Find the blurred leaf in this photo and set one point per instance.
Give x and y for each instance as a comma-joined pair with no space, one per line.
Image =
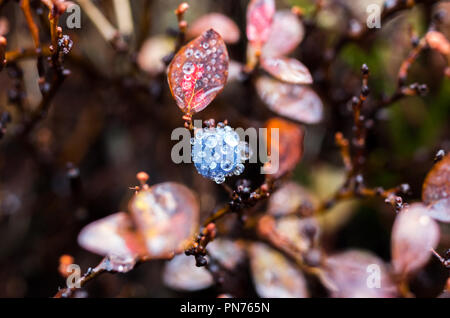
181,274
273,275
291,198
350,272
154,49
437,183
296,102
440,210
220,23
259,20
288,150
296,230
286,34
413,235
112,236
287,70
326,180
228,253
166,215
198,72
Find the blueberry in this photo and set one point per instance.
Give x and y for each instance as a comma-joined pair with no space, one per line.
218,152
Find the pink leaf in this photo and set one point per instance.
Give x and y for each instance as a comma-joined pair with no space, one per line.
287,70
414,234
286,34
222,24
112,236
259,20
292,101
350,273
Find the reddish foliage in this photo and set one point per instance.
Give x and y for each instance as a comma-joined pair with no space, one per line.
198,72
289,149
259,20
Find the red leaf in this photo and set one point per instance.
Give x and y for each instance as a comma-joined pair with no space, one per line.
222,24
437,183
292,101
350,272
285,35
273,275
287,70
167,216
413,235
198,72
288,150
259,20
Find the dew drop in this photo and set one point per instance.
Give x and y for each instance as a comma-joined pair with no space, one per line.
226,165
188,68
197,54
231,139
211,141
239,169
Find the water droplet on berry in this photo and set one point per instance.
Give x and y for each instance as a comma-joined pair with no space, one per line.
211,141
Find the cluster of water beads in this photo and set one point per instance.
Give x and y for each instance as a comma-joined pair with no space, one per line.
217,152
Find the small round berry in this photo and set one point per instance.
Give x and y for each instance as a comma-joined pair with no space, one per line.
217,152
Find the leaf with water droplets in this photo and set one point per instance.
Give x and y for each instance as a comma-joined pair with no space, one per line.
296,102
222,24
198,72
181,274
437,182
259,21
286,34
286,152
351,274
112,236
167,216
287,70
414,234
273,275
